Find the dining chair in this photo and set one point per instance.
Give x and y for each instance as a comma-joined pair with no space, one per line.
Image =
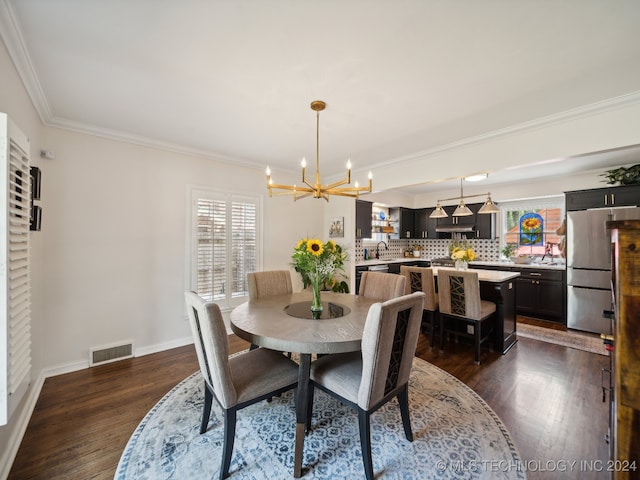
381,286
460,303
268,283
368,379
273,282
235,382
420,279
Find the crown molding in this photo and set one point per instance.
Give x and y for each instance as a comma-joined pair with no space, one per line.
614,103
13,39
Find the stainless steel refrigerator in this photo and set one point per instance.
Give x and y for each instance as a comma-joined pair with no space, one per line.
589,266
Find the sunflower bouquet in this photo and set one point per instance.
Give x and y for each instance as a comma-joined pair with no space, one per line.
319,265
461,250
463,254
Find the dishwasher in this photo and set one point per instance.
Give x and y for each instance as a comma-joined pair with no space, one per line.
379,268
373,268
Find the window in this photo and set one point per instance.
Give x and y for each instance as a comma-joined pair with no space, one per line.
15,283
224,245
531,225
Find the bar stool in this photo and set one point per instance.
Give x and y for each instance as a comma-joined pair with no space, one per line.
420,279
459,299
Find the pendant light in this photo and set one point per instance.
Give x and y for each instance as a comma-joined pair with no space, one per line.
462,210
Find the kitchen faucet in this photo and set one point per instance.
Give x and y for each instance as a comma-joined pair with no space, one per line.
386,247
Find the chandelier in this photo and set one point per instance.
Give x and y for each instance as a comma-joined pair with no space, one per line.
317,190
462,210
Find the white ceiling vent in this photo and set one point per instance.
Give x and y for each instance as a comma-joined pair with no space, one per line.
110,353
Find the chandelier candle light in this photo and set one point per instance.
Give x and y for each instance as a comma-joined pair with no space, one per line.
317,190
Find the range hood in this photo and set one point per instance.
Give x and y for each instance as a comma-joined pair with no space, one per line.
455,228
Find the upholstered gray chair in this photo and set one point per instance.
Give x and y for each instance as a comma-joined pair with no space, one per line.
381,286
460,303
420,279
268,283
368,379
235,382
264,284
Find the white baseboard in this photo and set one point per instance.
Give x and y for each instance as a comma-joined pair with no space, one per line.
9,455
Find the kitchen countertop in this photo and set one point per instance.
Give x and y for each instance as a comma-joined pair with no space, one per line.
509,264
380,261
478,263
492,276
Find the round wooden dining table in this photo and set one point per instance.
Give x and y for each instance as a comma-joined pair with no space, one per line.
286,323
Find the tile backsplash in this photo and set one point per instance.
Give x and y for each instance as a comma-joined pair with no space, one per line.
487,250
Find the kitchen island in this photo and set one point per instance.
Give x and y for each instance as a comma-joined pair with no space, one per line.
495,285
499,287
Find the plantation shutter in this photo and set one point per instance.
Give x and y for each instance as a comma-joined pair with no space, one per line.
15,295
226,236
243,224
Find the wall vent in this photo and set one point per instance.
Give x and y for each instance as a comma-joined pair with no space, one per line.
110,353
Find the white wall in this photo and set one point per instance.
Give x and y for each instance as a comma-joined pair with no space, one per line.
116,228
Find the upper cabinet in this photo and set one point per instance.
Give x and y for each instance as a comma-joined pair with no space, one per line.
403,222
363,218
423,225
622,196
485,223
409,223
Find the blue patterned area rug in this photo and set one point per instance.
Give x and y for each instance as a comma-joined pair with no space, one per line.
456,435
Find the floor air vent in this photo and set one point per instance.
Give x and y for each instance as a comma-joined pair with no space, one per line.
112,353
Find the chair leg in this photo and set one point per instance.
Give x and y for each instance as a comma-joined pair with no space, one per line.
403,401
442,334
432,328
229,437
477,335
206,411
365,442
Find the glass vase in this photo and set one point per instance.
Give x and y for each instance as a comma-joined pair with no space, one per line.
461,265
316,303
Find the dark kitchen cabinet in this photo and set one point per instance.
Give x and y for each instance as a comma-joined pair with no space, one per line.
423,226
541,294
451,221
404,218
364,210
407,220
622,196
485,223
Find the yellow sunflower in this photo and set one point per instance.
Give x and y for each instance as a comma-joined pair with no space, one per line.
314,246
301,243
531,224
332,245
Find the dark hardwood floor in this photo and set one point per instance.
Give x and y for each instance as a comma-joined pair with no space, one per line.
548,396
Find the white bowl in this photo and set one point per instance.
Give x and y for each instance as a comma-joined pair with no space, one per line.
522,260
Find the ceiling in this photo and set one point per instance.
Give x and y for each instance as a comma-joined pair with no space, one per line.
234,80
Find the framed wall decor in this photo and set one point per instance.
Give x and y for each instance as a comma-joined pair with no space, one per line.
336,227
36,180
35,223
